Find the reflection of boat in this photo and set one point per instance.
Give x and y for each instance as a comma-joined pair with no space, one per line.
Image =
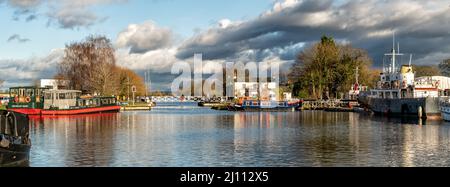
41,101
14,139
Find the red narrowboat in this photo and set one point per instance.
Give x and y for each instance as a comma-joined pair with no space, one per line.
35,101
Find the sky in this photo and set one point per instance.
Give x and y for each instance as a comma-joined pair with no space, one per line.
154,34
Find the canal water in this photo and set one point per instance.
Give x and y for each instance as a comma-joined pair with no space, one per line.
189,136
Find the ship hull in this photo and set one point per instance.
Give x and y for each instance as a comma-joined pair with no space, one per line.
445,113
15,144
39,112
429,106
15,155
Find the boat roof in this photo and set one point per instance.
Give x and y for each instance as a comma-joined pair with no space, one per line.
27,87
62,91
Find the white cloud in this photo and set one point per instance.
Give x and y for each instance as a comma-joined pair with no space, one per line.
23,72
141,38
160,60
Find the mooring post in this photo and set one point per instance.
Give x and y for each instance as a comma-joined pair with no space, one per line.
420,112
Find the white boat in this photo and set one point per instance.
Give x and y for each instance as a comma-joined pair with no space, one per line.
399,93
445,110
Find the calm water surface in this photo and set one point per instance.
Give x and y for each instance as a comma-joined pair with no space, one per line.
199,137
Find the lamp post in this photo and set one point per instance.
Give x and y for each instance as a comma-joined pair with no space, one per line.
133,89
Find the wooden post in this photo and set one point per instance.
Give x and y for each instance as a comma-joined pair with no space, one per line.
420,112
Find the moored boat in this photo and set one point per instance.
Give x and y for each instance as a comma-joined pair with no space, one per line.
15,144
399,93
45,102
445,110
261,105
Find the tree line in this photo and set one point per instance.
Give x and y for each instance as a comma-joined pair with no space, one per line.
326,69
90,66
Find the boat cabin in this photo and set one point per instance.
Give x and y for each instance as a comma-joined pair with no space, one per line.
72,99
265,104
60,99
402,84
26,97
44,98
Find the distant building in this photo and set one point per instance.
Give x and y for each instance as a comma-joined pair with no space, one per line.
54,84
252,90
287,96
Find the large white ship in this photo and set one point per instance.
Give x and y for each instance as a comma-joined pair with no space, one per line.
399,93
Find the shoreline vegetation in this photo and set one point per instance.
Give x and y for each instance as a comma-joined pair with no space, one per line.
327,70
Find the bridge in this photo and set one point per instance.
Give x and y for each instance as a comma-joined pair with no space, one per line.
169,99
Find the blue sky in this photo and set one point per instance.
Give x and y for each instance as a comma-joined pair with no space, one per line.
184,17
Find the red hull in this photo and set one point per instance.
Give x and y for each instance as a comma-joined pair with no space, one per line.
40,112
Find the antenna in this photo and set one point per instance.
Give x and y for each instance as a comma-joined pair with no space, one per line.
393,52
410,59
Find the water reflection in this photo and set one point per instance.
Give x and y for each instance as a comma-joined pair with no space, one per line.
192,136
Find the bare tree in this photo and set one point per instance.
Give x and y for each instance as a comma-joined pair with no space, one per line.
89,66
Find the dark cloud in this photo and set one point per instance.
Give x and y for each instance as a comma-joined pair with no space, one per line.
18,38
24,4
422,27
72,18
66,14
31,18
24,8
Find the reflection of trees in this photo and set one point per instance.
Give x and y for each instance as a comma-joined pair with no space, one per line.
265,139
332,138
76,141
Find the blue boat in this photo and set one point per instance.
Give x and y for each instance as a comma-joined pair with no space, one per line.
259,105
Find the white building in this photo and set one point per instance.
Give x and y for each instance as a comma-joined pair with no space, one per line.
54,84
287,96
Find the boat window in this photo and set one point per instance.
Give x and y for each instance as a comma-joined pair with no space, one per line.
30,92
48,96
21,92
13,92
388,94
62,96
395,95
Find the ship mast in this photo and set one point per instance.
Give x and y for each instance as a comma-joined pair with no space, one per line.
394,54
